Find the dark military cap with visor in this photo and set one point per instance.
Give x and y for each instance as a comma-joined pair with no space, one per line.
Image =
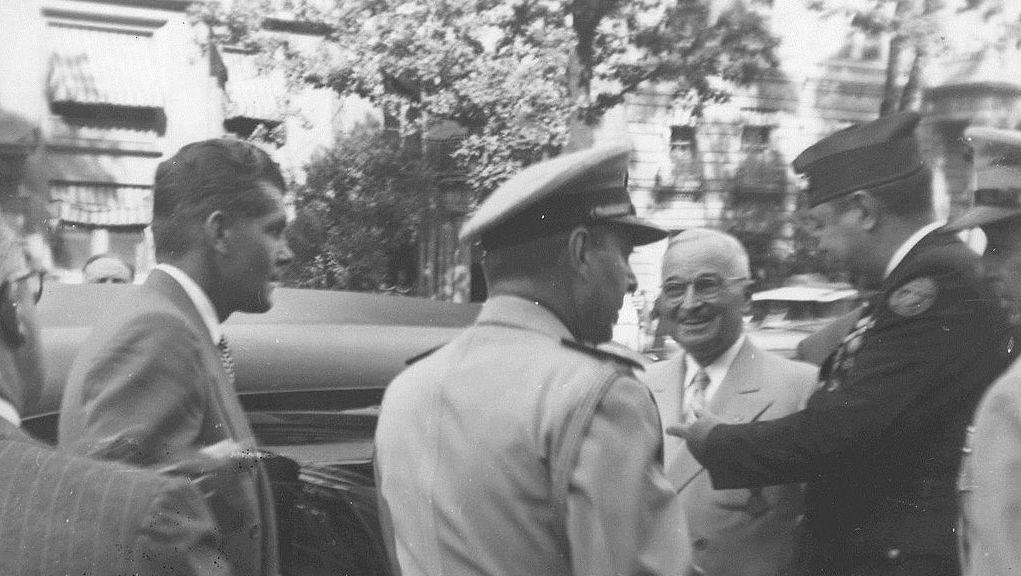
861,157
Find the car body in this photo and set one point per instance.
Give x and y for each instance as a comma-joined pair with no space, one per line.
310,374
784,316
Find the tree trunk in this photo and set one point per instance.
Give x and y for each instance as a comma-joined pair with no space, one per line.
893,63
911,95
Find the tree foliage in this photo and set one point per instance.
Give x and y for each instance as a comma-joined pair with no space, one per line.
358,215
918,33
517,73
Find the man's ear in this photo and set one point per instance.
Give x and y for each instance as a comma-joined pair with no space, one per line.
746,308
216,231
578,244
869,207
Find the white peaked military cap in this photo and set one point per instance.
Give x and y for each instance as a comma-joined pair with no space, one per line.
587,187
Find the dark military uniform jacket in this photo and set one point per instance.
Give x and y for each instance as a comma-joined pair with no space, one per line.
879,442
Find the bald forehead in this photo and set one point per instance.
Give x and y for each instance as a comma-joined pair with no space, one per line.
702,251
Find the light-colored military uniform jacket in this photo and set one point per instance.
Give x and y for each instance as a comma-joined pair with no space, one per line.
483,468
737,532
990,482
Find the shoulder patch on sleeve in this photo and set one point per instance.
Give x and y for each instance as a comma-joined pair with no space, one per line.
914,297
621,356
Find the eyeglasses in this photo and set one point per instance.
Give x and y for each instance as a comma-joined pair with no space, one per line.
33,283
706,287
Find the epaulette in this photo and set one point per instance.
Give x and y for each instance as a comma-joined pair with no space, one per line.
605,352
422,355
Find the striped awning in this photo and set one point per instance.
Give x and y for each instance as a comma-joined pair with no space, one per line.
251,92
100,67
102,204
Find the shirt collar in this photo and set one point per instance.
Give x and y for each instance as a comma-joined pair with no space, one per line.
521,313
717,370
198,297
908,244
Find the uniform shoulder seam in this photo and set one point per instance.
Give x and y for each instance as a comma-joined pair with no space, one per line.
602,354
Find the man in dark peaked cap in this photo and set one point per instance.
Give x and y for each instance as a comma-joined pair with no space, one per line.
878,444
521,448
990,496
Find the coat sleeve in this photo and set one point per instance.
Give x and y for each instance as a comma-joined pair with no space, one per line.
991,493
176,536
622,515
141,395
907,365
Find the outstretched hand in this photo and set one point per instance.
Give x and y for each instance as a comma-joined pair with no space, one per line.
704,420
695,431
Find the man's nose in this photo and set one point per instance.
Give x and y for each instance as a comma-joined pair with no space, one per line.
689,300
285,256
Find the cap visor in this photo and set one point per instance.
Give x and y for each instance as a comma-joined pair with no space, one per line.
640,231
981,216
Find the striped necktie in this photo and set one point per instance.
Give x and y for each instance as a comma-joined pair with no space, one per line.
226,358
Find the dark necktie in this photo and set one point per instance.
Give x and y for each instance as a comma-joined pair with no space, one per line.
225,358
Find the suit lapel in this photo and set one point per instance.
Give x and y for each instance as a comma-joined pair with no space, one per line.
223,392
736,400
684,467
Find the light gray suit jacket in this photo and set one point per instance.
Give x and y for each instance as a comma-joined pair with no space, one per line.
736,532
990,482
148,388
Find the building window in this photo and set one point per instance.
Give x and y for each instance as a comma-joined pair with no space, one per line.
682,143
683,170
755,137
861,47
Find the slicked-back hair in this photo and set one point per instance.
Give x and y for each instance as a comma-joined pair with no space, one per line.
204,177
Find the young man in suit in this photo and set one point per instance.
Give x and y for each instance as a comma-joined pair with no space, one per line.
65,514
878,444
519,448
154,384
990,496
704,296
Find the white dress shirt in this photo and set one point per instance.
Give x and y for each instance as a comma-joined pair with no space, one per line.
908,244
198,297
716,371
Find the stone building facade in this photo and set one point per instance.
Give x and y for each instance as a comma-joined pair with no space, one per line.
109,88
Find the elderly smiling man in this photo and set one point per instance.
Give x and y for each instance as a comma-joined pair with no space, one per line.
705,293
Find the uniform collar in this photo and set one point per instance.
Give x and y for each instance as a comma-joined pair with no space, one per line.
198,297
911,242
524,314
